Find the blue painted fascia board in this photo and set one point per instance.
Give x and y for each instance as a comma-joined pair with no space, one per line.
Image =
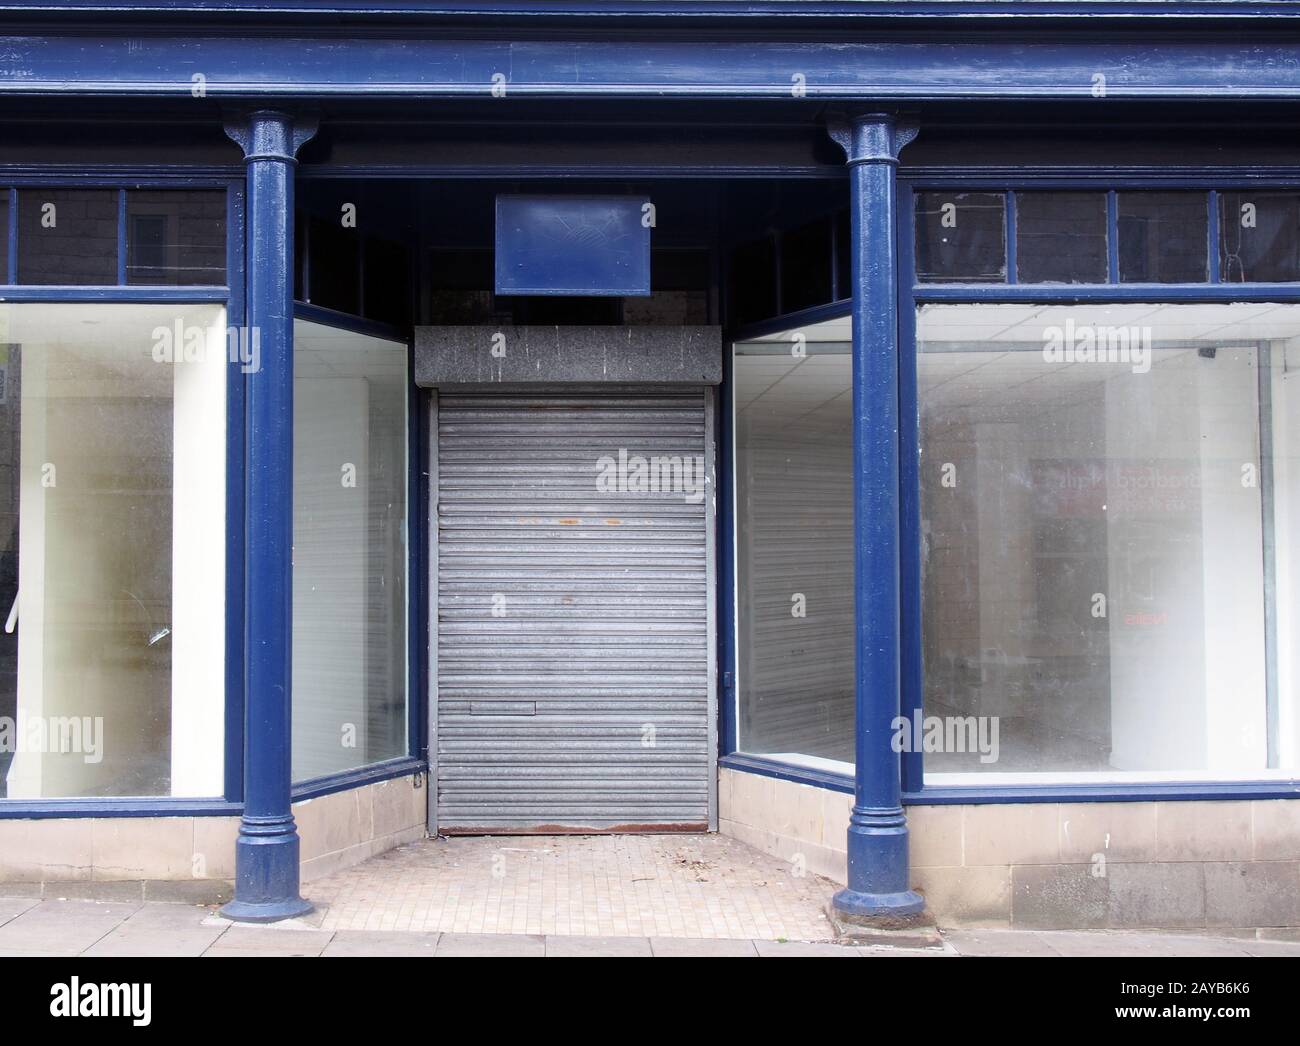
251,65
746,12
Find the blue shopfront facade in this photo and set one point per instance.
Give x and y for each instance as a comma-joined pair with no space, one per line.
997,430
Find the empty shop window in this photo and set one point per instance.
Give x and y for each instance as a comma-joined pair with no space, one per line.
112,570
1109,501
350,550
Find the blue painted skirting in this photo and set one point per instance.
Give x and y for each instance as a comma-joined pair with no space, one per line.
167,806
365,775
162,806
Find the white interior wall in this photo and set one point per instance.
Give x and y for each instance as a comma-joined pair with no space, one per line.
1186,592
1232,561
199,568
1155,597
1286,475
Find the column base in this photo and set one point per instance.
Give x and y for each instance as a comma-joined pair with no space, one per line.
883,910
267,912
266,872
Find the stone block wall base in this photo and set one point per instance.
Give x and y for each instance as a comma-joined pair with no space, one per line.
1169,864
176,891
180,858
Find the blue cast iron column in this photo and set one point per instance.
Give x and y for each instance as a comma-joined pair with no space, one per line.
878,890
266,852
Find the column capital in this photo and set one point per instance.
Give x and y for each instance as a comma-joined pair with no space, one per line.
270,133
870,136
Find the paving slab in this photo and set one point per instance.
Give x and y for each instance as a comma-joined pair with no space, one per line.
356,943
1142,944
12,907
475,945
246,941
803,950
884,951
687,947
1271,949
160,929
62,927
561,947
1000,942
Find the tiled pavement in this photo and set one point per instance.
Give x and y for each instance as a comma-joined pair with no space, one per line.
30,927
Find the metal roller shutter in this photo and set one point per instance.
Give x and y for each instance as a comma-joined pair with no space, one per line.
574,660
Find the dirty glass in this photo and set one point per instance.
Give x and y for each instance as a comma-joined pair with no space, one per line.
112,571
1162,237
176,237
1259,237
350,551
1109,497
1061,237
961,237
794,544
67,236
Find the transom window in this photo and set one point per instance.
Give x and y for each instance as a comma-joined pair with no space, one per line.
72,237
1097,236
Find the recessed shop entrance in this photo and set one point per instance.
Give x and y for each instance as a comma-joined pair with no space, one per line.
569,681
574,610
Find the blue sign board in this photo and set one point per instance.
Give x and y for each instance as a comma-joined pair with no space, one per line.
573,245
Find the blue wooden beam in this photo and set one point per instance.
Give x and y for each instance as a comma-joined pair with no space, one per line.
878,888
315,64
657,11
266,851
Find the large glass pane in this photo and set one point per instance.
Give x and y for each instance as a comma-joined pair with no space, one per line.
350,553
1109,502
794,544
67,236
112,575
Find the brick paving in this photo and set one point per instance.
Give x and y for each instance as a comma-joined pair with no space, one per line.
690,886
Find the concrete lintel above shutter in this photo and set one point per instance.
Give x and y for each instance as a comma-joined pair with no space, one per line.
501,357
